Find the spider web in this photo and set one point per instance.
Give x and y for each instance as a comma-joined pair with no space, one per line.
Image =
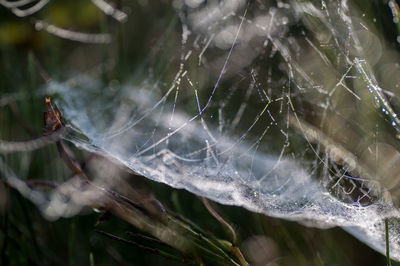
284,108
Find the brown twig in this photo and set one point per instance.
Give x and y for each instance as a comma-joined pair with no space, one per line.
234,248
218,217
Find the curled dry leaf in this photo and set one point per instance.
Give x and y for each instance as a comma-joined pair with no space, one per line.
53,120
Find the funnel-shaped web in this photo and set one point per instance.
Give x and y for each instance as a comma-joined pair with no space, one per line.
287,109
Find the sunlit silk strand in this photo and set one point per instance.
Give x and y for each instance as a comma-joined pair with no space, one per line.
377,92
